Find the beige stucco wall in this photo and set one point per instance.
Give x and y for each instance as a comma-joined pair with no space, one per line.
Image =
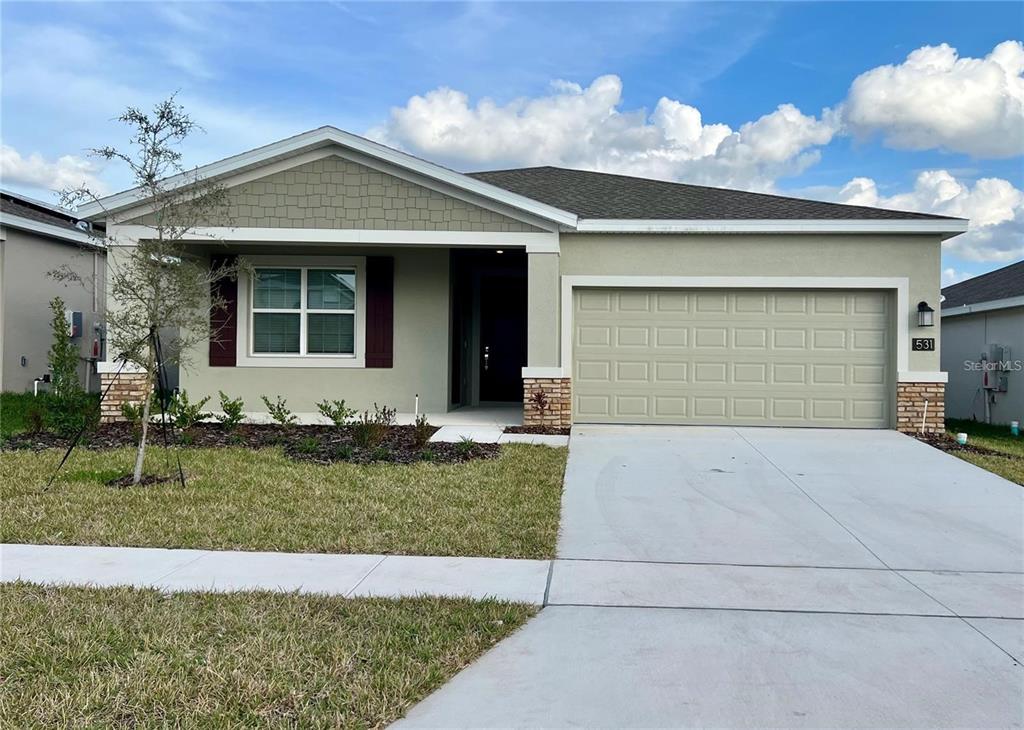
542,307
338,193
421,350
966,337
26,290
914,257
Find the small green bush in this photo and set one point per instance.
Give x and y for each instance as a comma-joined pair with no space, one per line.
428,455
344,452
372,428
308,445
35,416
422,431
336,411
185,414
279,411
465,446
381,453
231,409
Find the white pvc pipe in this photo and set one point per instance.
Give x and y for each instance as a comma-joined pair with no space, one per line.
924,416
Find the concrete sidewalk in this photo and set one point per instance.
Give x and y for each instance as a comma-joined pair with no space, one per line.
390,576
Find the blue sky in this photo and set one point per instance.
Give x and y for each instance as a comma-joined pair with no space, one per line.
254,72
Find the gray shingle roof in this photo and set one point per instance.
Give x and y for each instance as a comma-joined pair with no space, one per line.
603,195
1003,283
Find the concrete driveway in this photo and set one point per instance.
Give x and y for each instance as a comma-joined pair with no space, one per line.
765,577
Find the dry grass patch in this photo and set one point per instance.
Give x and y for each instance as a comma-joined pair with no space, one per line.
238,499
125,657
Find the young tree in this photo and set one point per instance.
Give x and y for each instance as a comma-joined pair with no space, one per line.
63,356
159,283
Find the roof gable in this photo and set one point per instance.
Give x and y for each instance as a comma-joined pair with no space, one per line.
338,193
414,168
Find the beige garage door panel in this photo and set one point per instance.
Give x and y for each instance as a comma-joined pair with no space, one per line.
799,358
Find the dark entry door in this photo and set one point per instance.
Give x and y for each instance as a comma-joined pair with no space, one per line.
502,337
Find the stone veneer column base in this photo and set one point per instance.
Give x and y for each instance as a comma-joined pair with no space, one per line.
557,413
127,388
910,400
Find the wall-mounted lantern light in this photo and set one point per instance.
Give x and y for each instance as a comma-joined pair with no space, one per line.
925,315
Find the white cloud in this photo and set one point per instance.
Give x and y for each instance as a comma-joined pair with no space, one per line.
952,276
35,171
937,100
573,126
994,206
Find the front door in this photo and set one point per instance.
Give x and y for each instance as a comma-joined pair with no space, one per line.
502,337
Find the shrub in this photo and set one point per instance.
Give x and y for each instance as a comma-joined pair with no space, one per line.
336,411
35,416
308,445
372,428
422,431
232,411
132,412
279,411
428,455
539,401
344,452
381,453
185,414
465,447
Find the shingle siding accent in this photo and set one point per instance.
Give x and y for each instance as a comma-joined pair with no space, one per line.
341,194
910,407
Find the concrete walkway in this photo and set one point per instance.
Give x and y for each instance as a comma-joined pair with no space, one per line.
390,576
719,577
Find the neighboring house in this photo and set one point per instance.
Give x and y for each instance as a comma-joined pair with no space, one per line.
983,318
36,239
380,277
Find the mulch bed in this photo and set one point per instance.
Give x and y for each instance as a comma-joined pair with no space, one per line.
321,444
539,430
124,482
945,442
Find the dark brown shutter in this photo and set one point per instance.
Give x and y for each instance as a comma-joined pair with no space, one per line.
223,322
380,311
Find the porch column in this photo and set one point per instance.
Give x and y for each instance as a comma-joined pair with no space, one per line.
547,396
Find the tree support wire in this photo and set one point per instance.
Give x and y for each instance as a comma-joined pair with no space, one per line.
162,393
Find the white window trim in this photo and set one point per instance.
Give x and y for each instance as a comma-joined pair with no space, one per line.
900,285
244,357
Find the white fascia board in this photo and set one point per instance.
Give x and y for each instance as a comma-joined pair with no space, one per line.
331,135
80,238
922,376
627,225
983,307
533,242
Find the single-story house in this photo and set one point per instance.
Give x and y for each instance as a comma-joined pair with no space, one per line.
35,239
587,297
983,346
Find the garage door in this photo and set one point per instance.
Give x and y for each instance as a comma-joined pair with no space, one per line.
742,357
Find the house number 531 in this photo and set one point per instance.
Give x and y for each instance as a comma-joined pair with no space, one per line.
924,343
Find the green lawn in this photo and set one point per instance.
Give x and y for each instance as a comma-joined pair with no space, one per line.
1008,463
14,408
238,499
124,657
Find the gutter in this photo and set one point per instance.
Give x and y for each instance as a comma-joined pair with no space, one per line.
947,227
75,236
989,306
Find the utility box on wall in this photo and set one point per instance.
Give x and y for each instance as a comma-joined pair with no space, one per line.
74,320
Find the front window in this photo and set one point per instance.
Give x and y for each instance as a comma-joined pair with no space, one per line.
303,311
